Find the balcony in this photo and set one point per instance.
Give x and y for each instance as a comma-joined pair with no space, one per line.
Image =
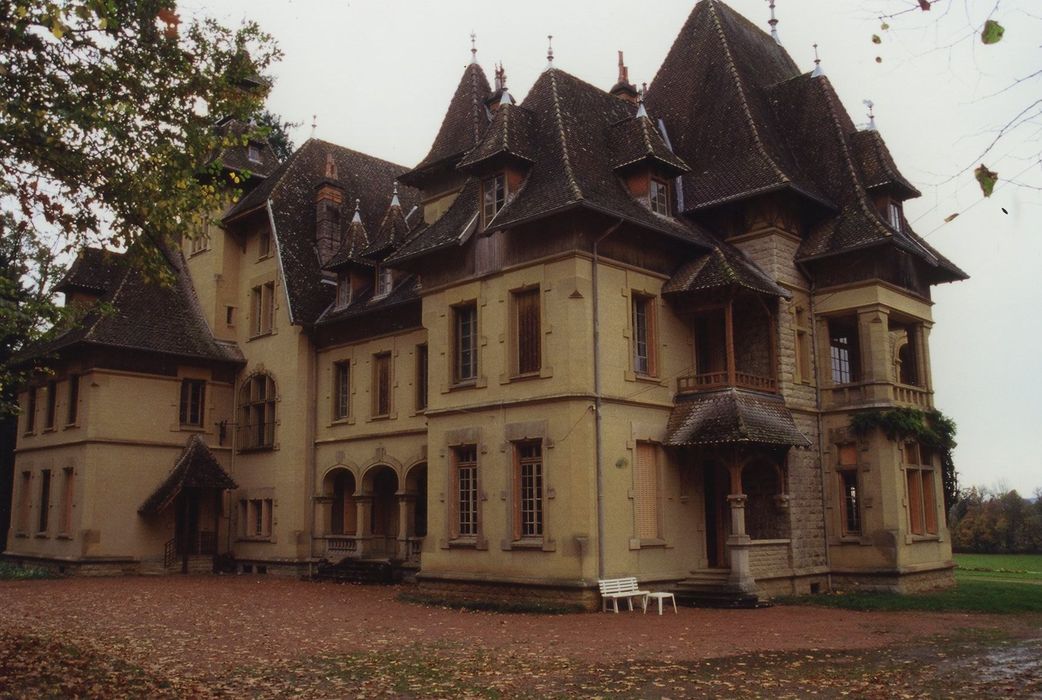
711,381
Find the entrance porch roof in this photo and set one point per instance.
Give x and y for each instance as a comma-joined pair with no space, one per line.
732,416
195,468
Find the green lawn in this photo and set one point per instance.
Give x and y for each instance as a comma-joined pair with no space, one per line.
1002,584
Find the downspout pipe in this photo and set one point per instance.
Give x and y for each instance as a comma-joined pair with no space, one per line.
597,399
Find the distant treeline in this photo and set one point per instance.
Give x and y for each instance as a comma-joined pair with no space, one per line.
992,522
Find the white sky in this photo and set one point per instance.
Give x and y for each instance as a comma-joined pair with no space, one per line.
379,74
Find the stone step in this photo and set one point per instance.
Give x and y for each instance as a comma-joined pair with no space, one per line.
380,571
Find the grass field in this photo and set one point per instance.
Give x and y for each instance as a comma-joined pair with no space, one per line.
987,583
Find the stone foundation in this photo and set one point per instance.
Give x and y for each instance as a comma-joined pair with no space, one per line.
895,581
507,594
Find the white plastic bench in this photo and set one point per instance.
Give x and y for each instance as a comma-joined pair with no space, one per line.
614,588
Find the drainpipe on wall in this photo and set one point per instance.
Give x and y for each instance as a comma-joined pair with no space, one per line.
597,399
821,432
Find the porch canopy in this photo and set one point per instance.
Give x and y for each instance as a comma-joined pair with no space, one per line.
195,468
732,416
722,268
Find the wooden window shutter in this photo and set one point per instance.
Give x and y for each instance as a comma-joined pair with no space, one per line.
528,333
646,492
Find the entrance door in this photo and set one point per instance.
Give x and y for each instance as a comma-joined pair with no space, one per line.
715,490
384,515
186,526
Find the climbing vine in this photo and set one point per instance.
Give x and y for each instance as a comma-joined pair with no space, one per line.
932,429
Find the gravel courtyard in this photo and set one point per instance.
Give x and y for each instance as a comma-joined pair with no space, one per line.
260,636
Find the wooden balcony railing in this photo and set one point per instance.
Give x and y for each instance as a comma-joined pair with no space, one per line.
710,381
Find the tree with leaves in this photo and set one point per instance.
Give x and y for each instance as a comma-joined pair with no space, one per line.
107,110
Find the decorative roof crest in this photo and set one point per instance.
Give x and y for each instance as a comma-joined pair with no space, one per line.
774,24
818,70
871,114
550,52
357,218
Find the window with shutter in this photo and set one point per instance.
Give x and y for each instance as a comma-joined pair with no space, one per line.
646,492
527,331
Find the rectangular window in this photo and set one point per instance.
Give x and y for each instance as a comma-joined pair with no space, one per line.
384,282
466,459
850,501
24,498
263,308
894,216
72,410
465,343
193,402
229,315
52,404
30,410
65,523
201,241
644,335
382,384
493,197
45,500
843,352
646,492
527,331
253,152
258,516
264,244
658,192
343,291
528,490
341,390
922,496
421,377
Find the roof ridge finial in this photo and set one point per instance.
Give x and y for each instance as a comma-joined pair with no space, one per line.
357,218
550,52
395,202
641,111
871,114
505,98
818,70
314,124
473,47
774,25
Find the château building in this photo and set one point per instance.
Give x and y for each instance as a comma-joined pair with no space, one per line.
591,334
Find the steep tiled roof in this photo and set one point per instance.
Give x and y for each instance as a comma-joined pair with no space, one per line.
637,140
724,266
732,416
94,269
454,227
393,231
461,129
407,290
237,157
509,134
878,168
195,468
709,93
356,240
147,315
291,191
573,158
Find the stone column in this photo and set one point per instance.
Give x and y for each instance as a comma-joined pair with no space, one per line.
876,356
739,543
406,502
363,523
323,515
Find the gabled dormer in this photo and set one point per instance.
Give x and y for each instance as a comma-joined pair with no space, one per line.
354,273
503,157
645,162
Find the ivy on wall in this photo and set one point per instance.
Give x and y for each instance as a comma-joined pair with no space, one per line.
931,429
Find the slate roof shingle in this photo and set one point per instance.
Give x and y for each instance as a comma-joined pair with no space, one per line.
636,140
732,416
291,191
195,468
724,266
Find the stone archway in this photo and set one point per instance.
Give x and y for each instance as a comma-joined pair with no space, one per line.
380,491
414,505
343,518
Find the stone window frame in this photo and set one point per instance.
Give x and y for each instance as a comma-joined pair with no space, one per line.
920,485
454,439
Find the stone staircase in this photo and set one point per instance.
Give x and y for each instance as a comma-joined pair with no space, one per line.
197,564
710,589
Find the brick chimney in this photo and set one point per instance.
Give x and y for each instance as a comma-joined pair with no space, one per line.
329,198
624,89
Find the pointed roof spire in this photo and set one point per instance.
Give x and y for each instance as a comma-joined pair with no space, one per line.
818,70
501,78
473,47
774,25
395,202
357,218
641,111
871,114
550,52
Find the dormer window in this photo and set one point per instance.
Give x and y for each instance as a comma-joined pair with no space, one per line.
343,291
493,197
658,193
253,152
894,216
383,282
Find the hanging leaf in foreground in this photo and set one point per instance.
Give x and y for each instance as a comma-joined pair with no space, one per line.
986,178
992,32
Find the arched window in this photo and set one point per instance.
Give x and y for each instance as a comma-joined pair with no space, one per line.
257,412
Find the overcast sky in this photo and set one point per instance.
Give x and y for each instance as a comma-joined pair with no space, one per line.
379,74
